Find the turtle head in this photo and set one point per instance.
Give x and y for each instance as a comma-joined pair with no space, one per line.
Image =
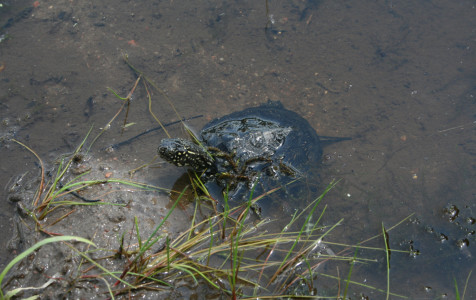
182,153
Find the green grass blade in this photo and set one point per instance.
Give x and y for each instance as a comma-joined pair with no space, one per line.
456,289
187,268
108,287
139,240
466,284
38,245
115,94
101,267
148,243
350,273
210,222
329,187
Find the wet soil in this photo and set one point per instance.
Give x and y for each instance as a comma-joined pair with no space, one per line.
398,77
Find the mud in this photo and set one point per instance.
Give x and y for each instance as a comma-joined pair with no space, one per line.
396,76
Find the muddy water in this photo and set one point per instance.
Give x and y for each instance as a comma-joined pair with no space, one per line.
398,76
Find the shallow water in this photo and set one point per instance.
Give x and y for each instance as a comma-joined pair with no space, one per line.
398,77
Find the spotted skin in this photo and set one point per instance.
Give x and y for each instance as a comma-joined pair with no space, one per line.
181,152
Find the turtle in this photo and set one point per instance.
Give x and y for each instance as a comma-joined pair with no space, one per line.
267,145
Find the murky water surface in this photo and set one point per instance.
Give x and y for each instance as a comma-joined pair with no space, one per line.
397,76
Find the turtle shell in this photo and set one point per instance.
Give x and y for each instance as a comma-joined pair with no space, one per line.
264,147
264,135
